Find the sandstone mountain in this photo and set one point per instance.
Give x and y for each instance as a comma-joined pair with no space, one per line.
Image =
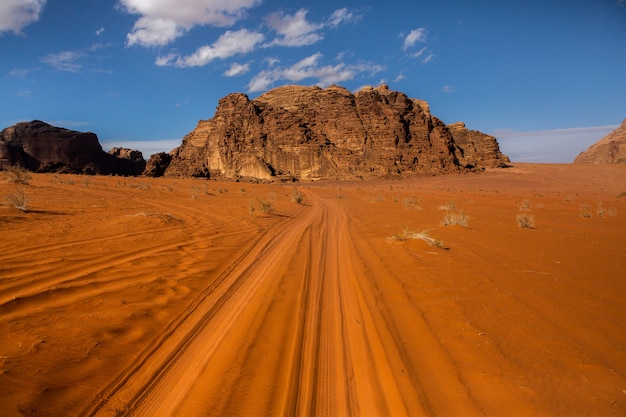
40,147
297,132
609,150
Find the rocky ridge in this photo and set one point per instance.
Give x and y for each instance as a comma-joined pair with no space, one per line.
40,147
611,149
297,132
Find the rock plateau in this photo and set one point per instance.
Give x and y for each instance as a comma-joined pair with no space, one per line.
40,147
310,133
611,149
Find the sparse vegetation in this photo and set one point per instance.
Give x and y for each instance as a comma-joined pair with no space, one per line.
195,192
18,200
450,205
266,206
18,175
524,204
410,203
297,196
251,208
585,211
455,218
525,221
424,235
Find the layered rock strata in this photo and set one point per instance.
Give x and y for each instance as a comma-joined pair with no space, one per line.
297,132
611,149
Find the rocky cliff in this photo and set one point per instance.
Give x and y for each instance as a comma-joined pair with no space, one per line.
609,150
40,147
296,132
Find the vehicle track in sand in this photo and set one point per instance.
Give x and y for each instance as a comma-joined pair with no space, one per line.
286,330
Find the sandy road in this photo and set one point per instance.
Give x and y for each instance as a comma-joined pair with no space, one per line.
286,330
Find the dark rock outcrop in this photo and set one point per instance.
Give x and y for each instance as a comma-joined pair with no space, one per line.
40,147
157,164
611,149
297,132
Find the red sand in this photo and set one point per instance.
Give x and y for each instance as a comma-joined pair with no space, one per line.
158,297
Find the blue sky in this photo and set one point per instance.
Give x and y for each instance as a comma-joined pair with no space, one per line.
546,77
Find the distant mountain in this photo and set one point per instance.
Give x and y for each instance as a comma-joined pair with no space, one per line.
297,132
40,147
611,149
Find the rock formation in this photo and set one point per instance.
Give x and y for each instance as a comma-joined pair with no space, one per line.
40,147
157,164
611,149
296,132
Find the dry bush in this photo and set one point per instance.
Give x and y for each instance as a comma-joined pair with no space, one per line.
18,199
585,211
455,218
18,175
297,196
524,204
195,192
525,221
424,235
266,206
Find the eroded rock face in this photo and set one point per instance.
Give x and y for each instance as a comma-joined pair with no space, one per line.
157,164
40,147
611,149
313,133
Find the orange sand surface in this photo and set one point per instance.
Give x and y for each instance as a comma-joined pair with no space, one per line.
182,297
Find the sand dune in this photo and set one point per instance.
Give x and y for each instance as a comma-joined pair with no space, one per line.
162,297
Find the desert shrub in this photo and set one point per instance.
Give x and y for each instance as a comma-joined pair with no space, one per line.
297,196
195,192
18,199
271,196
585,211
455,218
450,205
525,221
266,206
524,204
424,235
251,208
18,175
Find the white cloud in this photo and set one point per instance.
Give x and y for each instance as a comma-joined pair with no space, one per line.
99,31
163,21
293,30
448,89
74,61
16,14
69,61
229,44
19,72
237,69
341,15
309,68
414,36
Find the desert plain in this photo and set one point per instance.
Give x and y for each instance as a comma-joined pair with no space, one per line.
188,297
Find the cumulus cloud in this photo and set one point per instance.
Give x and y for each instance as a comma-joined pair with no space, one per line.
229,44
414,36
310,68
16,14
163,21
237,69
293,30
296,30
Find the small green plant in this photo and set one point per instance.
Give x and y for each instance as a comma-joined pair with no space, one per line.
455,218
18,200
297,196
18,175
424,235
525,221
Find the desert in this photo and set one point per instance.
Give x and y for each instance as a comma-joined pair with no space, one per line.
498,292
